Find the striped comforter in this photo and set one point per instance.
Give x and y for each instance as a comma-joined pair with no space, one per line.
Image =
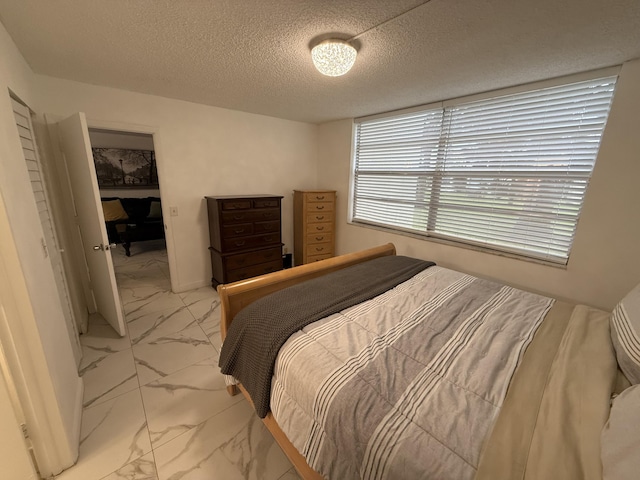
409,384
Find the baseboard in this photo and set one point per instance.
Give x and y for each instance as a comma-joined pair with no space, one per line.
185,287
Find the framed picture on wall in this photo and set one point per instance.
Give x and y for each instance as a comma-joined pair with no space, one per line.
125,168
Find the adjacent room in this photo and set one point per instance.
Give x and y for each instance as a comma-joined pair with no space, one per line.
300,240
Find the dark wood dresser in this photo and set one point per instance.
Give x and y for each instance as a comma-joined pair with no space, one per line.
245,236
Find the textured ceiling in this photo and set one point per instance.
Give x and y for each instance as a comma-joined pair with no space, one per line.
253,55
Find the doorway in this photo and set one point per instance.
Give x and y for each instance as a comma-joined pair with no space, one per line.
132,202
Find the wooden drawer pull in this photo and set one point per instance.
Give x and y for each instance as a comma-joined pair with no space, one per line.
240,230
319,197
319,217
320,207
319,228
239,244
319,249
238,217
319,238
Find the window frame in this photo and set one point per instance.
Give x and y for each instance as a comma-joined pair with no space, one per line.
459,242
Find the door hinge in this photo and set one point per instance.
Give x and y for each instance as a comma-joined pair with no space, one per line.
25,432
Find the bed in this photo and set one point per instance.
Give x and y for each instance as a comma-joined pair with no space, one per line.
440,375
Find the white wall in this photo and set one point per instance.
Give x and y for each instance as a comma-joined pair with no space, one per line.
605,260
200,151
40,322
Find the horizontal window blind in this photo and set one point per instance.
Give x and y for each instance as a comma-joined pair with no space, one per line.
508,173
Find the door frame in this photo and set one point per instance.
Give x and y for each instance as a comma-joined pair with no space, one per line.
53,449
159,156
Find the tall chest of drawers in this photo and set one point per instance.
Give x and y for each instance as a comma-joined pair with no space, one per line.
314,221
245,236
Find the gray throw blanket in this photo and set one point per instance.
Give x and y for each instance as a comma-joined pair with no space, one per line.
258,331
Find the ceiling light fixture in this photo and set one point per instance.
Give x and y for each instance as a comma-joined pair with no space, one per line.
333,57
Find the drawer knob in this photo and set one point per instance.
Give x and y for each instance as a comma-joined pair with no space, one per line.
319,217
319,228
319,249
320,207
319,238
238,217
239,244
240,230
319,197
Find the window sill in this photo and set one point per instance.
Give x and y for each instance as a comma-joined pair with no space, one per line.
459,244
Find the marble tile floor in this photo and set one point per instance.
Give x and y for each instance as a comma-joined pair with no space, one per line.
155,403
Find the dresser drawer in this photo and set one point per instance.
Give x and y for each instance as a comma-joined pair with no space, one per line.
240,216
245,236
265,227
319,207
238,204
320,238
238,230
316,258
319,249
255,241
254,270
244,260
318,197
266,203
320,217
319,227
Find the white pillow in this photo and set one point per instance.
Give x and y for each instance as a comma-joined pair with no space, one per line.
625,334
620,439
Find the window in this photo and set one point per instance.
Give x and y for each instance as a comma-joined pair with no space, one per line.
507,173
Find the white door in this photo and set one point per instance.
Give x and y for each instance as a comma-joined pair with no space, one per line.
51,247
76,148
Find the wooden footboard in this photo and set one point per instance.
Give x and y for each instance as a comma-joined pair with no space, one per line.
235,296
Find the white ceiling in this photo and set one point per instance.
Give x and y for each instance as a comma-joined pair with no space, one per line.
253,55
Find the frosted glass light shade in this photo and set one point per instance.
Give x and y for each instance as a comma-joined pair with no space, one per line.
333,57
